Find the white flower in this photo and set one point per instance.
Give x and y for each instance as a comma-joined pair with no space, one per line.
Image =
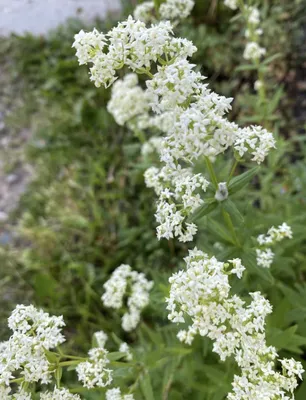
107,78
93,372
256,140
115,394
144,11
124,348
176,9
202,292
101,338
253,15
5,393
122,281
275,234
222,192
179,196
21,395
264,258
173,85
258,85
34,331
195,116
128,100
153,144
238,267
88,44
253,51
59,394
191,116
231,4
115,287
292,367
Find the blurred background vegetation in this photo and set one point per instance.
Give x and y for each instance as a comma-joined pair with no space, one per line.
86,209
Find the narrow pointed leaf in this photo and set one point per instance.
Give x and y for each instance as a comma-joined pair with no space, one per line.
231,208
238,182
249,261
205,209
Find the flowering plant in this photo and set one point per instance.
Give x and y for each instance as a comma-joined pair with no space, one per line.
191,136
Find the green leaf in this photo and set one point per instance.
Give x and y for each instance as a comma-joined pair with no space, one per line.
146,387
153,334
238,182
271,58
51,357
211,172
301,392
58,375
231,208
178,350
157,3
215,374
205,209
116,355
287,340
45,285
273,103
220,231
249,261
246,67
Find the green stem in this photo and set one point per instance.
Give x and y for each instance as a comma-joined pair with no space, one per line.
166,391
134,386
68,363
228,220
241,6
232,171
212,173
149,74
17,380
80,389
73,357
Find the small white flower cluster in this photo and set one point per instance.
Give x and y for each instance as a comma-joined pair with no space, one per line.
174,10
34,331
128,100
130,43
59,394
191,115
153,145
93,372
202,292
179,196
145,12
253,51
256,140
115,394
233,4
126,283
125,348
101,338
88,44
264,255
5,394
